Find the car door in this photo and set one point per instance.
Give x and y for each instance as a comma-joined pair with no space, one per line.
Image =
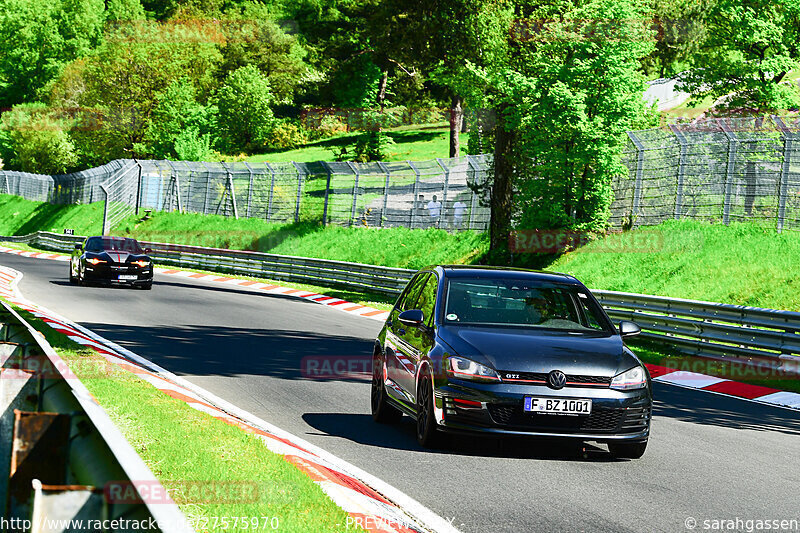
396,350
418,341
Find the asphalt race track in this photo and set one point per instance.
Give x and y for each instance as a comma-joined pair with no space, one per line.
709,457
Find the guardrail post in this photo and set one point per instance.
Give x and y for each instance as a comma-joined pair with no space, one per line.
385,191
416,190
729,172
637,186
249,189
300,175
327,192
681,170
783,180
355,192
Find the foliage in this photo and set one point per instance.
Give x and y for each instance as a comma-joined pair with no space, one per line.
286,135
680,32
38,38
245,113
33,140
180,127
751,46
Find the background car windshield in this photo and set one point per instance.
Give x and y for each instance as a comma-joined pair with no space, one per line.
98,244
522,303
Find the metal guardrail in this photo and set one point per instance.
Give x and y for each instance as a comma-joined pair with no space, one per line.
763,337
61,456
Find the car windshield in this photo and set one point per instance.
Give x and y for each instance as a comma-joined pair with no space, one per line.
104,244
520,302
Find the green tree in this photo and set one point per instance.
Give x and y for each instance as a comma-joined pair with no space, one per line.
38,38
565,93
750,48
680,31
245,113
180,127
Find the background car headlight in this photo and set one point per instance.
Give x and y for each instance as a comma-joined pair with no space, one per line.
466,369
635,378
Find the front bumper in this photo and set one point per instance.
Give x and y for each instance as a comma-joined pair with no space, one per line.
111,273
616,415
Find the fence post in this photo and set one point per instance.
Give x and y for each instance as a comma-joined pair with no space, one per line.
637,186
105,229
416,191
783,180
729,172
473,200
229,186
138,185
5,182
208,187
355,192
327,192
176,183
271,189
300,174
249,189
385,191
681,170
443,213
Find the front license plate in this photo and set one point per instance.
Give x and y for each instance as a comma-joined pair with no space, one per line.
127,277
558,406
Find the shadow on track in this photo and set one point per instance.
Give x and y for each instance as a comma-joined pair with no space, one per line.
360,428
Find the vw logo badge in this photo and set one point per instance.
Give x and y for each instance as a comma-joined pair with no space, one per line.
556,379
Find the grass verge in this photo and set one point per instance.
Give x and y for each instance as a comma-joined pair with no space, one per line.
189,451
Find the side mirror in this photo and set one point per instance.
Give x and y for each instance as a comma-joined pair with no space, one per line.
148,250
628,328
412,317
79,246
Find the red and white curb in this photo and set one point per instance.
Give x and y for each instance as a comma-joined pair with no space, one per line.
330,301
726,387
371,503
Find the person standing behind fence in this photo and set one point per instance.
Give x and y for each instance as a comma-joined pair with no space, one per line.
458,213
434,210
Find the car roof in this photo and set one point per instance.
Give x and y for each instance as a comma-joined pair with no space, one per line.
498,272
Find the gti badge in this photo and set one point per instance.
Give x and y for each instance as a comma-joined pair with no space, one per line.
556,379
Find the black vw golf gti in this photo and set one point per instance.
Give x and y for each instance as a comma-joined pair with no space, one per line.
111,260
482,349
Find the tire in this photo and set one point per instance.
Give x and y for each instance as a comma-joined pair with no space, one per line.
627,450
428,435
382,412
72,279
147,286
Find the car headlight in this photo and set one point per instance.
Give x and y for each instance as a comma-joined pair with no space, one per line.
635,378
466,369
142,263
95,261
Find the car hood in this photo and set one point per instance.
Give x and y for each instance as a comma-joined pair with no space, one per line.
526,350
118,257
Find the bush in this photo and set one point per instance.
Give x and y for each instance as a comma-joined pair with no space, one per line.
286,135
34,141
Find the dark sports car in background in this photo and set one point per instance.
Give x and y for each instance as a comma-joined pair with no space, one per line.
111,260
503,351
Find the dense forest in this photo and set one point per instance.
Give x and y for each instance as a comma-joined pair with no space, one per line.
550,87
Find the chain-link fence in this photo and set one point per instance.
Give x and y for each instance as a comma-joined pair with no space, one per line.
721,170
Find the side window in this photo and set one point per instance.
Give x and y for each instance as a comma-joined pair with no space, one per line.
412,292
427,299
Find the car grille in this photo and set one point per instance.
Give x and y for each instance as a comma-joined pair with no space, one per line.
572,380
602,419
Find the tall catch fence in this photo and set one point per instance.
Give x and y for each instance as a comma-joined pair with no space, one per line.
721,170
